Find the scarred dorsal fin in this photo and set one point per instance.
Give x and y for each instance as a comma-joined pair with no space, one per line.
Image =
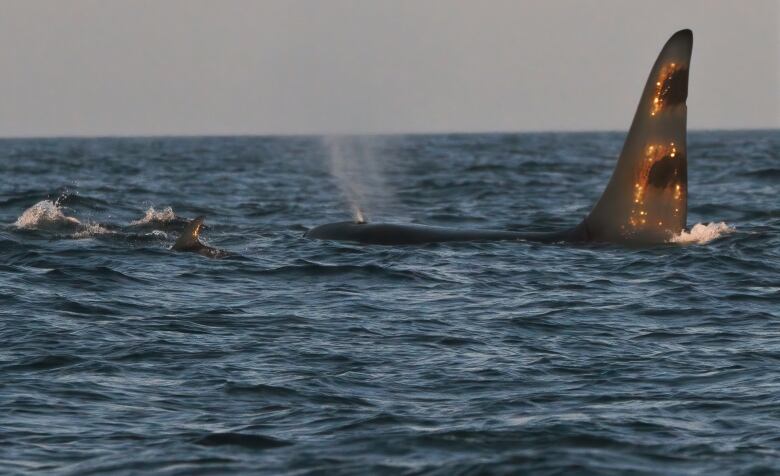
646,200
190,235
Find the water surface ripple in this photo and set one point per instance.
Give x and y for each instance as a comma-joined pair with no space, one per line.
301,357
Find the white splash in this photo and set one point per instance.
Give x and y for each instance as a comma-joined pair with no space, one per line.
702,234
44,214
90,230
153,216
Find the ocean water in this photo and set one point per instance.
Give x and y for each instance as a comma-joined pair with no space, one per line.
301,357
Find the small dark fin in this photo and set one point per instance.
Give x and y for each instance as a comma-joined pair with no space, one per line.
646,200
189,238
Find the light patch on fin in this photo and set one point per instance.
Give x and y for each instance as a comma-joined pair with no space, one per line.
646,199
190,236
671,87
660,180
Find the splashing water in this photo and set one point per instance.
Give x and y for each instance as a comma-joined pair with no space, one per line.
153,216
44,214
702,234
47,214
90,230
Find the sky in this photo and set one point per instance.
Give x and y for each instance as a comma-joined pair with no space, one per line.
189,67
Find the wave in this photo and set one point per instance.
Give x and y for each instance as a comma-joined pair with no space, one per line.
767,173
702,234
45,214
153,216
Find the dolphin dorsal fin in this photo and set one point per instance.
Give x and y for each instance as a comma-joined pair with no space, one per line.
646,200
190,236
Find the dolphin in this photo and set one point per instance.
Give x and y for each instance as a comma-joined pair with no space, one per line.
645,200
190,241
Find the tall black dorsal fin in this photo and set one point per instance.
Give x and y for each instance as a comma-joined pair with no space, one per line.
646,200
190,236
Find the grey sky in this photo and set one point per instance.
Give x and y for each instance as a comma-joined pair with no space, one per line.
110,67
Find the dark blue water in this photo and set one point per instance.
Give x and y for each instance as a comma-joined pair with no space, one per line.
300,357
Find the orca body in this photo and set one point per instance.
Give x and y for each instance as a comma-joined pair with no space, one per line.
412,234
645,200
189,241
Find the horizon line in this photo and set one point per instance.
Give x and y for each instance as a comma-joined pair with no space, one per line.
187,135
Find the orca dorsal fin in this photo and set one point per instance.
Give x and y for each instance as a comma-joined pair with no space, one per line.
646,199
190,236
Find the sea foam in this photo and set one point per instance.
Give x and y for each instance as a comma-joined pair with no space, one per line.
701,233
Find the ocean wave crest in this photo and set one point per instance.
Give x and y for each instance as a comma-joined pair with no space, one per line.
701,233
44,214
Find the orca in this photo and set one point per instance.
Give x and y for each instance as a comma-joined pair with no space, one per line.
645,200
189,241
